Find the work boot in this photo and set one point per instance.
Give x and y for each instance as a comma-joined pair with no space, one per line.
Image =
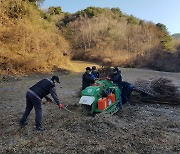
40,129
22,124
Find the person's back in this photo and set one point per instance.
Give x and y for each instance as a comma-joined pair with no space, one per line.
94,72
87,78
42,88
116,77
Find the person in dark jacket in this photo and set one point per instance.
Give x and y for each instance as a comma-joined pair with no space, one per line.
117,79
87,78
95,73
34,96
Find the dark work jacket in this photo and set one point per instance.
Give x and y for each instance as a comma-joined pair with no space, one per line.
95,74
45,87
87,80
117,79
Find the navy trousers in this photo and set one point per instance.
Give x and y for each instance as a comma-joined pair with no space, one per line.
32,101
126,92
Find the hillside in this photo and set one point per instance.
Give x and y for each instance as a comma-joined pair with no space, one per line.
104,34
37,41
29,43
111,37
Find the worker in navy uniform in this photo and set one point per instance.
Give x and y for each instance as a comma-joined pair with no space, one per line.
94,73
125,87
34,96
87,78
117,79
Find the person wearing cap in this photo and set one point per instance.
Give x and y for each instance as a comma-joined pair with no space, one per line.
34,96
124,86
117,79
95,73
87,78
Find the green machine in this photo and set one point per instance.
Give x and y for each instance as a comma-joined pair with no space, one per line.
92,96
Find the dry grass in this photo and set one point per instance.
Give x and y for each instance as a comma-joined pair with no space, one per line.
80,66
28,43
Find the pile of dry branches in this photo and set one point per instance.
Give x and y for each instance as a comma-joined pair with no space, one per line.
156,90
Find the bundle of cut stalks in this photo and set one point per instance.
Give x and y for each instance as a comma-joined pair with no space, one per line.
156,90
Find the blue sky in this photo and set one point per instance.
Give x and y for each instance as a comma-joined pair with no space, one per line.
166,12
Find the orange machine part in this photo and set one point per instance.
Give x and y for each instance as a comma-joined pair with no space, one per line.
112,97
102,103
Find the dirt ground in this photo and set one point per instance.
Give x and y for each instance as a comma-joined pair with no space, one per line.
139,128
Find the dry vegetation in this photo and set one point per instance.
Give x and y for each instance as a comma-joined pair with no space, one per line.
157,59
156,90
107,37
121,40
28,43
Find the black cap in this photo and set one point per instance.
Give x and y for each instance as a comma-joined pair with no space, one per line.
115,69
55,78
93,67
88,69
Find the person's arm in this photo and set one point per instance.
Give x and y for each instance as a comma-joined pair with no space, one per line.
54,95
93,76
48,99
114,78
56,98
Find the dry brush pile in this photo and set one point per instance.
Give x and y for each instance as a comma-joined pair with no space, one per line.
156,90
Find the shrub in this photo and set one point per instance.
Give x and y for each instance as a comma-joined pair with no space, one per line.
158,60
46,16
16,9
54,10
